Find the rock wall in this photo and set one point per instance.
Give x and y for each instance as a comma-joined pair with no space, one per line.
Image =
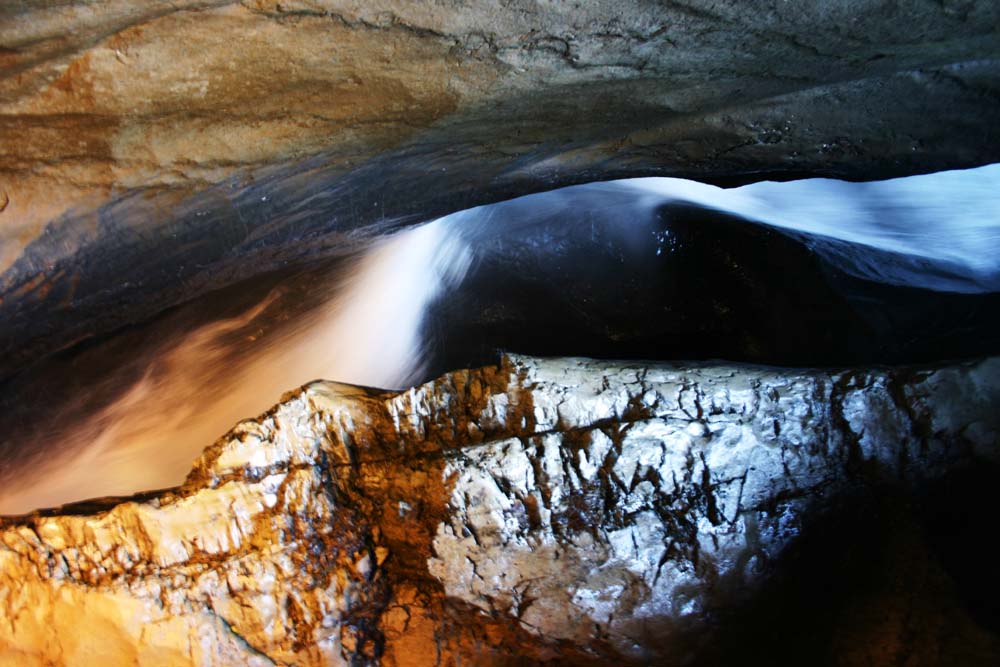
124,95
151,151
544,511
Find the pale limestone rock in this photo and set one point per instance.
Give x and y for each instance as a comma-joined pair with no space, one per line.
569,510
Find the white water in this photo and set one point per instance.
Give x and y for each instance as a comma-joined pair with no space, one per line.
945,229
367,334
945,226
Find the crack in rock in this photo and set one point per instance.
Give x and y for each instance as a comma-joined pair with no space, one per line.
587,510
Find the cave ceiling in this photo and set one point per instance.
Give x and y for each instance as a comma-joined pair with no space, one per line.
152,152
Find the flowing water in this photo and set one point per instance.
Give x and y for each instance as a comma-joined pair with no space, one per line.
196,387
944,228
131,413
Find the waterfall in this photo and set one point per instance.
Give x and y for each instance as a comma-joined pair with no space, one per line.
942,230
937,231
193,389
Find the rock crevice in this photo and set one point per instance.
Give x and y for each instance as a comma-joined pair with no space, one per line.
549,511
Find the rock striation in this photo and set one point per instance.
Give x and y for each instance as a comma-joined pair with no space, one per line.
152,151
544,511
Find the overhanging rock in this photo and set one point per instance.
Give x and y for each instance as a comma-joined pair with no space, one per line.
152,152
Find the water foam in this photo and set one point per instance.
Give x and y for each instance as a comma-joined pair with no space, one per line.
192,392
942,231
944,228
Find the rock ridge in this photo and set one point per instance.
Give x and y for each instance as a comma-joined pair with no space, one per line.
545,511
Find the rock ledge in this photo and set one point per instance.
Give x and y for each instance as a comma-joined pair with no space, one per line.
556,511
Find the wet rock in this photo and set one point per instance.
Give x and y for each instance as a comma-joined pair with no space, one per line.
613,280
152,152
544,511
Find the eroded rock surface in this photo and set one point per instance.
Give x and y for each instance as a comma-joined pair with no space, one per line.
544,511
152,151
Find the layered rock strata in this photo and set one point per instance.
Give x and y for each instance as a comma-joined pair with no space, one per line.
151,151
543,511
141,94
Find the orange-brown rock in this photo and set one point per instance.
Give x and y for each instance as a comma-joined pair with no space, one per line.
96,99
541,512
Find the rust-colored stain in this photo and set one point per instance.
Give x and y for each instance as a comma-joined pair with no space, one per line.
76,81
35,284
144,107
9,58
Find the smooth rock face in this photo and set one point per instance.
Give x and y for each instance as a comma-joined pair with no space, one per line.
153,151
559,511
128,94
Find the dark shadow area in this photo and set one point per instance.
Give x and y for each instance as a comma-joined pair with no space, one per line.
688,283
594,272
880,577
957,515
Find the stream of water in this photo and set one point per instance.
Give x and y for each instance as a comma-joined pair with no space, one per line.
154,414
